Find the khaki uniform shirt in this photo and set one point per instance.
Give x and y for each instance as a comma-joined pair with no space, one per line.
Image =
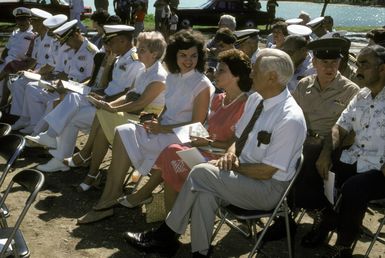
323,108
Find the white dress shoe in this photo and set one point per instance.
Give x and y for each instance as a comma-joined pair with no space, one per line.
19,124
43,139
54,165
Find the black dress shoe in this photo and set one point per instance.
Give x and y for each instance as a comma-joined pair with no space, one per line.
277,230
150,242
198,255
324,222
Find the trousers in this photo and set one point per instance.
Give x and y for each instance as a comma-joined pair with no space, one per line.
74,113
17,89
206,188
358,189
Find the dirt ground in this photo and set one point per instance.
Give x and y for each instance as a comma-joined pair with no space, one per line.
51,231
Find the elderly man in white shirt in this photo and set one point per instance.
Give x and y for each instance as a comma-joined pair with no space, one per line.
361,169
75,112
254,172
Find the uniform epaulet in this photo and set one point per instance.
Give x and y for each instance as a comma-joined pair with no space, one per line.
91,48
134,56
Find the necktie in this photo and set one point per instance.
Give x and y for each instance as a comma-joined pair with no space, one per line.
240,142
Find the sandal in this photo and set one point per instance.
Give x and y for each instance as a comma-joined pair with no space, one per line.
83,187
126,203
71,163
94,216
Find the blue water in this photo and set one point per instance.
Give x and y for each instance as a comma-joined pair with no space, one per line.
344,15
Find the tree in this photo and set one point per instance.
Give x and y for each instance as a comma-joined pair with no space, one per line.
324,7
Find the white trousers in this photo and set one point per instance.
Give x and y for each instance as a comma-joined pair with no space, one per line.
36,102
17,89
206,188
74,113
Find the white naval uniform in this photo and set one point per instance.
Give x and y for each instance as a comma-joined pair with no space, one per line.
144,148
41,52
78,67
76,113
17,45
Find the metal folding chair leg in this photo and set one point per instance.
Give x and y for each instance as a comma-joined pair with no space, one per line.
376,237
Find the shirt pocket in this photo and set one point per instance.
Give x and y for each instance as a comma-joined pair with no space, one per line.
263,146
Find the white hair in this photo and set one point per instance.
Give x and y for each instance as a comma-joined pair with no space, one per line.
271,59
228,21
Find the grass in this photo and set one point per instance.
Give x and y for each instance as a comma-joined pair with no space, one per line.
149,24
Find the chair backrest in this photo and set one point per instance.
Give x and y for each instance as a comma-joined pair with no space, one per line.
31,181
298,167
10,148
5,129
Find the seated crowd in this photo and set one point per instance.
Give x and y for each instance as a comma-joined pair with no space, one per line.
263,108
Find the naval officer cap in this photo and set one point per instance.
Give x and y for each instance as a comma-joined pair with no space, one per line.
22,12
294,21
40,14
66,30
55,21
315,22
111,31
243,35
329,48
299,30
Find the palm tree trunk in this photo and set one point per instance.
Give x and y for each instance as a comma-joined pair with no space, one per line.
324,7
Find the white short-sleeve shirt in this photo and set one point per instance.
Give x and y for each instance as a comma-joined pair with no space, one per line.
283,119
366,117
155,73
125,70
18,44
179,109
42,51
82,62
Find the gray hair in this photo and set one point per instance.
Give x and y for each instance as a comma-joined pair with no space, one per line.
228,21
278,61
154,41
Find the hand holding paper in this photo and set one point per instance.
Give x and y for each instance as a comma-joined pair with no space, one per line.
186,132
94,101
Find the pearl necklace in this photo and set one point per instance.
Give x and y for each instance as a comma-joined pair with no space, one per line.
234,100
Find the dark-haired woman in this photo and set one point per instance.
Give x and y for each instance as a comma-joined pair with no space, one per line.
187,96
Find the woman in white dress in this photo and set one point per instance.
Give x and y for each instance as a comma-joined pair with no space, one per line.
147,94
187,100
